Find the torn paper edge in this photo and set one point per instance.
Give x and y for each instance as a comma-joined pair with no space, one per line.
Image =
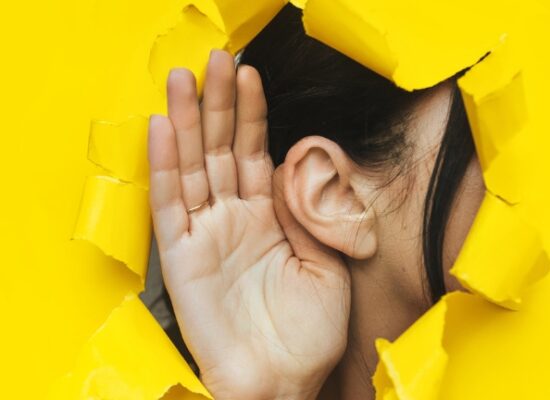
130,296
429,371
268,15
498,73
161,86
219,21
391,66
534,266
116,179
394,71
135,158
502,64
81,216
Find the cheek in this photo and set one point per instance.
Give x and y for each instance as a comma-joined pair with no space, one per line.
467,202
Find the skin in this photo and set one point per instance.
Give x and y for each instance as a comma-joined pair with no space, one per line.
265,275
389,291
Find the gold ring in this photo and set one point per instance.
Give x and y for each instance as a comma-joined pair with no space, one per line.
198,207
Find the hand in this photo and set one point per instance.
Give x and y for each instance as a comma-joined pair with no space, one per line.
262,306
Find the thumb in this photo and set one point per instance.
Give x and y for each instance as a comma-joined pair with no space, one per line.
310,251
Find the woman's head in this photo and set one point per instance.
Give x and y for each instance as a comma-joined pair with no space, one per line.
389,134
387,177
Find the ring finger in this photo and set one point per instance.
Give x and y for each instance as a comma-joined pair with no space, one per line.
183,110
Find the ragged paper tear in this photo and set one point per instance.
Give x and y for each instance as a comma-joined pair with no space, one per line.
187,45
502,255
489,88
467,348
239,20
416,44
129,358
121,149
115,216
207,25
412,367
506,101
114,211
177,392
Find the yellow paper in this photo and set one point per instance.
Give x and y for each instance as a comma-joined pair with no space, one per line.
239,20
414,43
128,358
121,149
494,85
188,45
490,353
502,255
493,352
177,392
66,64
506,250
412,367
299,3
207,25
69,63
115,217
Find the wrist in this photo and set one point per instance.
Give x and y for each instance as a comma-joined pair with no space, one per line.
267,390
232,382
303,393
293,394
289,389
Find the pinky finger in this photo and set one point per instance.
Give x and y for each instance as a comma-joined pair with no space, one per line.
169,214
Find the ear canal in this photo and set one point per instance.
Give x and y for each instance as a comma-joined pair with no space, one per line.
319,195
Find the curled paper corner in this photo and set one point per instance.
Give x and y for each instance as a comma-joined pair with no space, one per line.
115,217
501,354
383,37
188,45
422,363
348,29
207,25
298,3
502,255
129,357
120,149
240,20
178,392
412,367
114,211
495,101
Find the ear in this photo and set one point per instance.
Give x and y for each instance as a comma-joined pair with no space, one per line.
321,191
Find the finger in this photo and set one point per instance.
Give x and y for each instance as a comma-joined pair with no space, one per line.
167,206
183,110
218,124
254,166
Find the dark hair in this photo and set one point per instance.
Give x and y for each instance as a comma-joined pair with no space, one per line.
313,89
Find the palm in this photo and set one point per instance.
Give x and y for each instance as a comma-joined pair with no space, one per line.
254,295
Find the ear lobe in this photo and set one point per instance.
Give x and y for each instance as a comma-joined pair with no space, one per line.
319,192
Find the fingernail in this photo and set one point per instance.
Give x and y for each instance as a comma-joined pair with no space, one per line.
175,72
215,54
155,120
